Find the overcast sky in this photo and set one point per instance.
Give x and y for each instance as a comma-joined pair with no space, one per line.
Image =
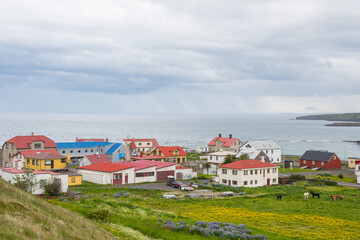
168,56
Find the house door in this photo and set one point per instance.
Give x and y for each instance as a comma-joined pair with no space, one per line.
229,182
117,178
268,181
52,164
126,178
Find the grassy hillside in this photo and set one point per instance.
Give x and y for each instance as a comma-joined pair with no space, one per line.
353,117
24,216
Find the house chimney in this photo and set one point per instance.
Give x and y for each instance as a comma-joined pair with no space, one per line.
106,140
141,154
219,135
230,135
76,139
32,133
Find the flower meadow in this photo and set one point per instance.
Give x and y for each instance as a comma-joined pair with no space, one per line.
213,229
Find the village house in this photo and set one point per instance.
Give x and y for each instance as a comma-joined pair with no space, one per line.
77,150
19,143
18,161
216,159
162,169
174,154
184,173
108,173
42,177
141,145
320,159
95,158
225,144
248,173
357,171
45,161
265,150
352,161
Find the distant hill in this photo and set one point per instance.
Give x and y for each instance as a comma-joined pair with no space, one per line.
353,117
24,216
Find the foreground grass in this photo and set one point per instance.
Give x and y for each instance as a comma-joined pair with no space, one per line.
292,218
24,216
334,178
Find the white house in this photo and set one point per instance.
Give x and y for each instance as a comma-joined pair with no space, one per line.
42,177
248,173
184,173
219,157
269,147
357,172
108,173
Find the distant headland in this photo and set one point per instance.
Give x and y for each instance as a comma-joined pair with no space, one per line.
343,117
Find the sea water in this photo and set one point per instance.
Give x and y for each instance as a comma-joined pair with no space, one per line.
294,136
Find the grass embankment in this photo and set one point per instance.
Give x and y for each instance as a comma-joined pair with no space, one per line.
292,218
333,178
294,170
24,216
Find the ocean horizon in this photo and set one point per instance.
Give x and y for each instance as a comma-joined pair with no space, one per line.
294,136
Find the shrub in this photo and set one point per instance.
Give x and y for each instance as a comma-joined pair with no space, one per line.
330,183
53,189
340,176
101,214
297,177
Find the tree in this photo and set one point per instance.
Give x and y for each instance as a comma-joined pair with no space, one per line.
27,181
228,159
207,166
244,156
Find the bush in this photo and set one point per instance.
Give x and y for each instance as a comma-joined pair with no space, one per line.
101,214
297,177
330,183
340,176
53,189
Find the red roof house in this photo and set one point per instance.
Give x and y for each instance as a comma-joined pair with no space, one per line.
226,144
107,167
95,158
174,154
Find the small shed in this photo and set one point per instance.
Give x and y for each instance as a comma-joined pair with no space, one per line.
74,194
283,180
288,163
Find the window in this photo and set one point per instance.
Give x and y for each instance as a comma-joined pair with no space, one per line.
224,171
274,170
178,160
139,144
9,155
71,151
28,161
224,181
79,151
37,145
37,162
304,161
73,180
7,145
334,157
63,160
245,183
42,183
48,162
260,171
86,150
268,171
33,162
266,151
255,171
210,157
246,172
234,182
251,182
217,158
322,163
234,172
274,180
313,162
63,151
148,144
255,181
6,164
92,150
251,172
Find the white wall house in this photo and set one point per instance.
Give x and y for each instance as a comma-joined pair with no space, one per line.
108,173
42,177
219,157
145,174
248,173
269,147
184,173
357,172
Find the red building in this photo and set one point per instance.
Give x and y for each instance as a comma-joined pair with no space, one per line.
321,159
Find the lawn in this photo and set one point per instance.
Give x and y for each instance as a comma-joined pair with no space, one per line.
135,216
294,170
334,178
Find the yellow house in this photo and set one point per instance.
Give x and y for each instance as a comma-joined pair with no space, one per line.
174,154
352,161
45,161
74,178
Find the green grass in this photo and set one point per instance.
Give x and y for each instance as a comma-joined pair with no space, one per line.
135,216
193,156
334,178
24,216
294,170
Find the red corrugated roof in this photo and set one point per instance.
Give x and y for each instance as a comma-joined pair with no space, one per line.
140,164
133,140
17,171
46,155
168,151
107,167
148,157
158,164
90,140
246,164
98,158
226,142
27,153
23,142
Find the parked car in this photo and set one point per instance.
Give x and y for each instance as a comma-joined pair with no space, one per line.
177,184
